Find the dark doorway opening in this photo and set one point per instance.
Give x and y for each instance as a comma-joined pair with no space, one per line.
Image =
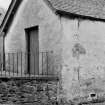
32,42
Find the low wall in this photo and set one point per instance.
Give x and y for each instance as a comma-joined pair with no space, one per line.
28,92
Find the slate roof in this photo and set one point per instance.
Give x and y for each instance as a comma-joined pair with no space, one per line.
92,8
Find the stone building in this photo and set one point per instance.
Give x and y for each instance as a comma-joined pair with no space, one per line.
74,30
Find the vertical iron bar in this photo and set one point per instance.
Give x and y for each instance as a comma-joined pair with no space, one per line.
13,64
3,52
0,64
38,59
25,62
21,63
29,55
17,63
42,63
5,67
47,62
34,64
9,63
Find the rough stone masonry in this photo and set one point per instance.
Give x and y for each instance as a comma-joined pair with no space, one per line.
28,92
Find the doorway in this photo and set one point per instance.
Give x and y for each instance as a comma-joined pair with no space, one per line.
32,42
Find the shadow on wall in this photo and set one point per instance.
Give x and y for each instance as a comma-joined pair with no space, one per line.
78,50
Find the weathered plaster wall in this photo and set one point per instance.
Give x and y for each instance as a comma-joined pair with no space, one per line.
78,51
83,57
33,13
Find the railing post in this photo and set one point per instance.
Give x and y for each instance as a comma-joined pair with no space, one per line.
0,63
34,62
17,63
5,67
37,51
47,62
3,61
9,63
42,62
3,50
28,63
13,63
21,63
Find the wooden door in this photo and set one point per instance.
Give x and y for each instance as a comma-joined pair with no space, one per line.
33,50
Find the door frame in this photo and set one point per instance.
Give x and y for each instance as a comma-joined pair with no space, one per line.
27,30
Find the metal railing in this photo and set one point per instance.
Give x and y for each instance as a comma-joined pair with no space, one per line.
20,64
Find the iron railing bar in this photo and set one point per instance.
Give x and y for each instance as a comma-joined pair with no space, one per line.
13,64
17,63
0,63
37,54
5,67
42,63
25,63
38,60
9,62
21,63
45,57
47,62
34,64
29,63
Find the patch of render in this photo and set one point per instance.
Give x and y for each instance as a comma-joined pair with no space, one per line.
78,50
82,60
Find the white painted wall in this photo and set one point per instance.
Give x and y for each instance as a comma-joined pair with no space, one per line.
49,29
61,36
91,36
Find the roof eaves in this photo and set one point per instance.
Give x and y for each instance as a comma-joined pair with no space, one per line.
9,11
51,6
74,15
